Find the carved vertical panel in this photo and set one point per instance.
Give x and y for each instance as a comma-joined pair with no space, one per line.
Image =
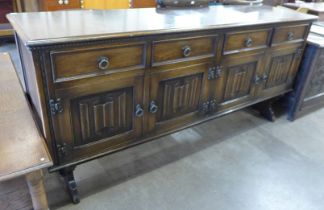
279,70
316,84
100,116
179,96
239,81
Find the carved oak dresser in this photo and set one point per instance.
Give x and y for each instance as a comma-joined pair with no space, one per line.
103,81
308,94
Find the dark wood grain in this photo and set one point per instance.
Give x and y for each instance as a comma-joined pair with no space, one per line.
308,94
178,93
84,62
289,34
246,40
99,24
168,51
167,70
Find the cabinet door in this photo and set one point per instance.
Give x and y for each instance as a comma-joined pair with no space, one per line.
238,81
281,69
176,97
99,116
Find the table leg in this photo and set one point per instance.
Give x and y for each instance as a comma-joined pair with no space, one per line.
37,191
265,109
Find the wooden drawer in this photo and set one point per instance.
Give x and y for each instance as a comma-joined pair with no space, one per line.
247,40
177,50
81,63
289,34
52,5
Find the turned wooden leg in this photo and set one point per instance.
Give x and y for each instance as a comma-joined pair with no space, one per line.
265,110
70,183
37,191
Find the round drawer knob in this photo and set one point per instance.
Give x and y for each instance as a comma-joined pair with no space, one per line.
103,63
60,2
248,42
290,36
186,50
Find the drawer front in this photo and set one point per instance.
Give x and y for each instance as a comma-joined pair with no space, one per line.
52,5
77,64
247,40
178,50
289,34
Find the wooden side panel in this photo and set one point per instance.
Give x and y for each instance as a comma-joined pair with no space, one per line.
239,81
34,87
316,84
101,116
179,96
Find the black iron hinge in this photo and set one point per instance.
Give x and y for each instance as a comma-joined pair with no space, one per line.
214,72
209,106
63,149
204,108
55,106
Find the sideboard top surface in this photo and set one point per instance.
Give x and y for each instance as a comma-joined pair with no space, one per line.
43,28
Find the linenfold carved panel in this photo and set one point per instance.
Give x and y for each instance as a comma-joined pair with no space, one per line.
100,116
239,81
179,96
279,70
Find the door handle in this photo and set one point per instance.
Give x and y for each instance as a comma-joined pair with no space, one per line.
139,112
257,79
153,107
